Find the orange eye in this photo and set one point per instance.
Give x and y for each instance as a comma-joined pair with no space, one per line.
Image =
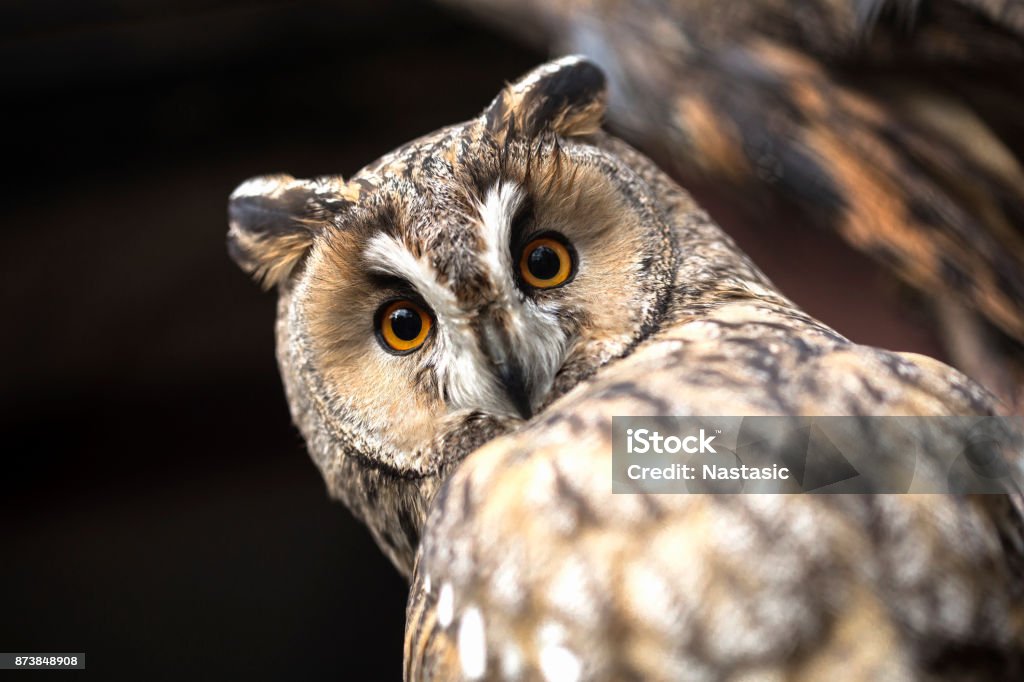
403,326
546,263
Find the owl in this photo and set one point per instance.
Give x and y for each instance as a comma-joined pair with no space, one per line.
458,323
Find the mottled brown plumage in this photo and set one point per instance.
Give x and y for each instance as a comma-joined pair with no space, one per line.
481,459
894,123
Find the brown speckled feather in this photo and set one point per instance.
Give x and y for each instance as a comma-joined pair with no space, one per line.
573,582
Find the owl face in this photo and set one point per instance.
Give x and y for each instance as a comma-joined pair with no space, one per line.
453,288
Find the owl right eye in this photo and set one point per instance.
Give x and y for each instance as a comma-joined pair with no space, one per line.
402,326
547,262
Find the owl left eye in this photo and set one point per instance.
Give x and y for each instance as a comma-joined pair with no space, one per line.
402,326
547,262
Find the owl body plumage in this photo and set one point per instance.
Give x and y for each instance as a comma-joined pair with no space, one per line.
480,458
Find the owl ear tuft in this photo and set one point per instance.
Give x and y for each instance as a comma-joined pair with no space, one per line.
272,220
566,96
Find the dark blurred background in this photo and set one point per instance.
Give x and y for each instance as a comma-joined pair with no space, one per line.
159,512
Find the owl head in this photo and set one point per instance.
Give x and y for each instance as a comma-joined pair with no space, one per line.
453,288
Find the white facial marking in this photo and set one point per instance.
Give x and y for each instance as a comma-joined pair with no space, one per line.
387,255
465,372
426,584
536,339
445,605
558,664
472,644
496,214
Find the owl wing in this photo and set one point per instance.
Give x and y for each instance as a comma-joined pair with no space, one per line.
891,122
530,568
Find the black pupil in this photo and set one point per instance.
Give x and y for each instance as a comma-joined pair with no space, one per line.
543,263
406,324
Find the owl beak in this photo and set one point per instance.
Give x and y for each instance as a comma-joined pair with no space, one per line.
511,375
507,367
